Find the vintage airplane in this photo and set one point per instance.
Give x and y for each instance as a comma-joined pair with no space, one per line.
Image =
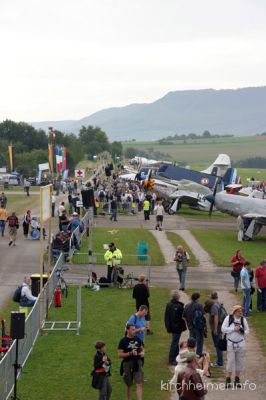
248,203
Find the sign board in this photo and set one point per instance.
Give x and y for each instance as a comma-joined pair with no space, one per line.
79,173
79,204
45,194
44,167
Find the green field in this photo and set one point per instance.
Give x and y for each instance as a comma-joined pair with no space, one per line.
60,364
126,240
20,204
222,246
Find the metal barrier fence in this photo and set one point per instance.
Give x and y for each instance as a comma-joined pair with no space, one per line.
135,263
31,332
77,234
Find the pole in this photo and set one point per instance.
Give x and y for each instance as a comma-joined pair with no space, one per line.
16,368
41,260
49,252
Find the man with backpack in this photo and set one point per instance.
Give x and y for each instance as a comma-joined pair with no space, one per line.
138,319
217,314
196,322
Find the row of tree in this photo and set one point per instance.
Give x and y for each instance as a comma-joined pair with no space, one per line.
31,145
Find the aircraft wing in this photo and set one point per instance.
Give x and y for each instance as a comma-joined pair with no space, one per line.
260,219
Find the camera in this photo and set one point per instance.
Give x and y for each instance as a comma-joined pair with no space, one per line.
242,330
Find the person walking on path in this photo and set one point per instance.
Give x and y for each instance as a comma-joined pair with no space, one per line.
131,351
245,286
159,211
113,206
3,218
236,328
141,294
182,261
26,223
174,324
27,187
146,209
237,263
196,322
240,227
102,367
3,200
260,280
13,225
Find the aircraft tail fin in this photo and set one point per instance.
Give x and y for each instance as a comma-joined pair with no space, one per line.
219,166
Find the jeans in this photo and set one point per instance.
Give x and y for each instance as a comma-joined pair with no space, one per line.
198,335
2,227
246,301
24,302
113,214
182,277
219,353
106,390
146,215
174,348
261,300
236,281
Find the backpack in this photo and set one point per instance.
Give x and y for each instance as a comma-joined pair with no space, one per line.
222,314
17,294
199,320
135,320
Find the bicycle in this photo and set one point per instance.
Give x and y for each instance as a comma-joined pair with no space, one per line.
61,283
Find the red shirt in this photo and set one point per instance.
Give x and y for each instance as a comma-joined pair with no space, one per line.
260,275
241,261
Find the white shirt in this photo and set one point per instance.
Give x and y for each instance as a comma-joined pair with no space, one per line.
61,208
159,210
232,335
25,291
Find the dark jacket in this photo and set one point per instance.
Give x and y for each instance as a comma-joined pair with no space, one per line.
173,317
193,388
98,362
141,293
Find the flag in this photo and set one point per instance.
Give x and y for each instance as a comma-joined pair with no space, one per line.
64,163
51,156
11,157
58,156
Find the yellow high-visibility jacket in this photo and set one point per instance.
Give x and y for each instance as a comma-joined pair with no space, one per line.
146,205
113,258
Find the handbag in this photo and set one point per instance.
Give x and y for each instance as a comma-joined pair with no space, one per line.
97,379
222,344
235,274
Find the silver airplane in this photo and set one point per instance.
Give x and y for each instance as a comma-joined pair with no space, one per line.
249,204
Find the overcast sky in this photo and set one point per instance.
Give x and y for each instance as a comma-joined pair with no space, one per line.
65,59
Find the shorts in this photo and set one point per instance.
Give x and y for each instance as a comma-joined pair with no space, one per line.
12,231
159,218
130,376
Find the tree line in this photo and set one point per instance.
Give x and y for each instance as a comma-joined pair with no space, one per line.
30,145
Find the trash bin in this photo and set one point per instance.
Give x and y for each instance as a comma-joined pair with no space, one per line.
142,251
35,283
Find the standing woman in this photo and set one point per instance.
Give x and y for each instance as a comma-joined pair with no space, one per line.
102,367
26,223
237,263
236,328
13,225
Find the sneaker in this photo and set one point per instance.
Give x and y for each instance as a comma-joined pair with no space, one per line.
228,383
216,365
149,332
14,244
237,383
9,244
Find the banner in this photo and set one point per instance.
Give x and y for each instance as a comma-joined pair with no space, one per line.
51,156
45,202
11,158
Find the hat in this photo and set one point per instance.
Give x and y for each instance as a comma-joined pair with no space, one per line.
214,295
182,356
74,213
235,308
191,356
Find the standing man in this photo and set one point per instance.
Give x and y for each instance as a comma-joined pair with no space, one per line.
53,205
3,200
141,294
131,351
146,209
260,280
159,211
196,322
215,326
245,286
113,257
138,319
3,218
13,227
27,187
182,260
174,324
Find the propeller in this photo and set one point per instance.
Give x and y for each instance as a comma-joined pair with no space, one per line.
211,198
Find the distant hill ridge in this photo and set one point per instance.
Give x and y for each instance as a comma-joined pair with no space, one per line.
240,112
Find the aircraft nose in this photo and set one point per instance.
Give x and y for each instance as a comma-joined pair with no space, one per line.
210,198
